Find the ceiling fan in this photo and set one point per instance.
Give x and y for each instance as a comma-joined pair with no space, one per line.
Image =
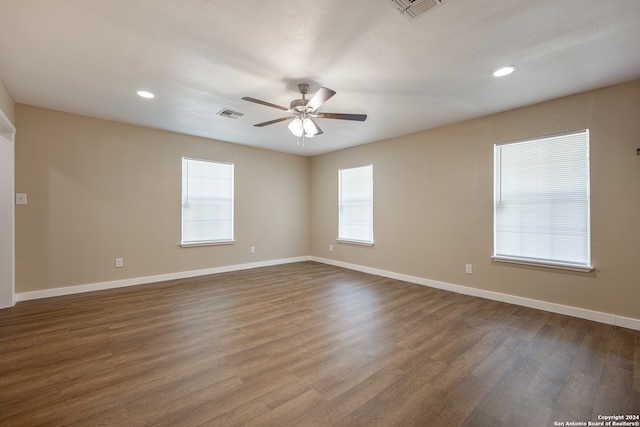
304,112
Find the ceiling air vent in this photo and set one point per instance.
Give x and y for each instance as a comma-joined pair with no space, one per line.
413,9
229,113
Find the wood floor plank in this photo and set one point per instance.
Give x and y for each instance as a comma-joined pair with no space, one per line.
337,410
306,344
580,391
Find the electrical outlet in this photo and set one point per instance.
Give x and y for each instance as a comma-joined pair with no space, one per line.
468,268
253,249
21,198
119,262
330,248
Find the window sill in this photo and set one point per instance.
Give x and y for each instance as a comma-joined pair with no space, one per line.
207,243
558,265
355,242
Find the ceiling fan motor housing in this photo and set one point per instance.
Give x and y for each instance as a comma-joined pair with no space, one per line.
298,105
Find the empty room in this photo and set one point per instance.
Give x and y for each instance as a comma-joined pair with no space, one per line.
329,213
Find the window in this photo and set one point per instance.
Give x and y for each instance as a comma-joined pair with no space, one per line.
355,204
207,202
541,201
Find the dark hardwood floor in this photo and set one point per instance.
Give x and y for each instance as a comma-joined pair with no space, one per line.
306,344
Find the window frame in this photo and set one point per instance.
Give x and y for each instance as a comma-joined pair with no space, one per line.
207,242
348,239
560,264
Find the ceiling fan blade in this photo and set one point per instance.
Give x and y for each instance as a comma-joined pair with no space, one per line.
319,130
270,122
341,116
268,104
322,95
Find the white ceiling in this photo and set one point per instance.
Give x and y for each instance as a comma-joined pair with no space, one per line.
200,56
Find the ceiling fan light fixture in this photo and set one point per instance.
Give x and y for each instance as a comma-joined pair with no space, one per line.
296,127
310,128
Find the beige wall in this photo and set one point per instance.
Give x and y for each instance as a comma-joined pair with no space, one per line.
433,202
98,190
7,105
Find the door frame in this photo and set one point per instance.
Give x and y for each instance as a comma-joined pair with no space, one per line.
7,165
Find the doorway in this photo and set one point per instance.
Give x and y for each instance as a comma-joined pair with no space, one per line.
7,212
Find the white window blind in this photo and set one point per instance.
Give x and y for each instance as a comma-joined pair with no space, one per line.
355,218
207,202
542,201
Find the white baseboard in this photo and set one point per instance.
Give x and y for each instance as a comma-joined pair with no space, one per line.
69,290
612,319
597,316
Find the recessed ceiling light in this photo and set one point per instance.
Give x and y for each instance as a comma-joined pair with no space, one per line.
145,94
504,71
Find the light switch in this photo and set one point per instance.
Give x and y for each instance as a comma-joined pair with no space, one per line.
21,198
